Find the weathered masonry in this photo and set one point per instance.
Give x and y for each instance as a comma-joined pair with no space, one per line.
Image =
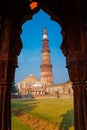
72,17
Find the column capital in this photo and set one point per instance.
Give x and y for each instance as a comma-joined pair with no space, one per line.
77,67
79,85
76,57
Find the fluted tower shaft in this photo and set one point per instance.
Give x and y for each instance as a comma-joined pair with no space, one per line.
46,66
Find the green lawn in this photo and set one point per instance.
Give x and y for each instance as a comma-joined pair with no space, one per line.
18,124
56,111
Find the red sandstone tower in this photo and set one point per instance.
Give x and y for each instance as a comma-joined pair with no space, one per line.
46,66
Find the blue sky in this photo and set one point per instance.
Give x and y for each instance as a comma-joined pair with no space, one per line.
29,59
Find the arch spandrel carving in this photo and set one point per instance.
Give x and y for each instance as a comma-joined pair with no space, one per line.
48,6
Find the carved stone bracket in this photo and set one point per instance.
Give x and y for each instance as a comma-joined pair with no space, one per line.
7,70
77,66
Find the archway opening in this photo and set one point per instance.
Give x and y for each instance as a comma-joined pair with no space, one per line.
31,55
31,36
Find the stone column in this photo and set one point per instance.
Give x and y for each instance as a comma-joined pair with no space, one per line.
74,48
77,67
6,79
80,106
5,108
10,47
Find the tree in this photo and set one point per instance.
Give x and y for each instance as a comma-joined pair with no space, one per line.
14,88
68,81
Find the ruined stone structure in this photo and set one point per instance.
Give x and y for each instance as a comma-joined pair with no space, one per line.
46,66
72,17
30,87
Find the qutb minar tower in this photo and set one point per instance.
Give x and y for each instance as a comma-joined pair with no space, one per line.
46,66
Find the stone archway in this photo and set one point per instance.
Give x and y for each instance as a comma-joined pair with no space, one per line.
71,15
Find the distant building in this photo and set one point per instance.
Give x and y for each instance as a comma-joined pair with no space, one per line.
63,90
31,86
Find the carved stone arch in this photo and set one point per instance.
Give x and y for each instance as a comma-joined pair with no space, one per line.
52,17
69,15
49,8
27,17
55,15
72,46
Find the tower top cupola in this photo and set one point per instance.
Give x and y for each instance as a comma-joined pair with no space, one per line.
45,34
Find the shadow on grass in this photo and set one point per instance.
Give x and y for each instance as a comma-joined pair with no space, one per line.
67,120
23,105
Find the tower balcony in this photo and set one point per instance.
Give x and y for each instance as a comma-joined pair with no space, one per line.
46,66
45,50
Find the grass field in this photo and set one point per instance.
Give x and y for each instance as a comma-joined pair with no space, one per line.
56,111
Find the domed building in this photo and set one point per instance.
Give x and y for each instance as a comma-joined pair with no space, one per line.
31,79
31,86
28,81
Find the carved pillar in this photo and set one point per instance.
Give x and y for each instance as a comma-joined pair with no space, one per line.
4,89
76,60
10,48
77,67
74,47
6,78
80,105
